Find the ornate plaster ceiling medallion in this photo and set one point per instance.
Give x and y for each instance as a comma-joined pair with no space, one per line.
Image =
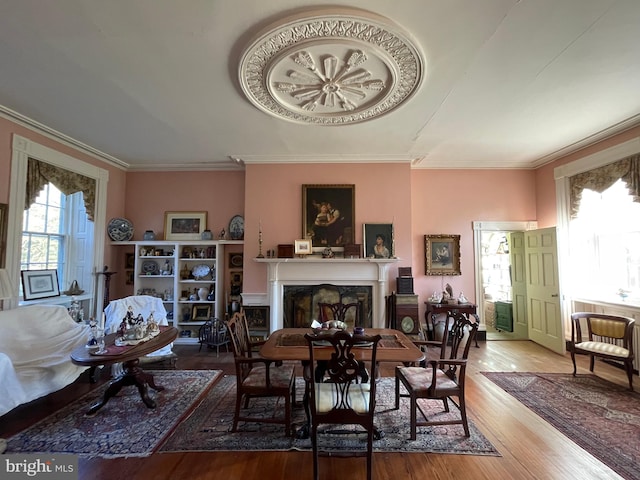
331,67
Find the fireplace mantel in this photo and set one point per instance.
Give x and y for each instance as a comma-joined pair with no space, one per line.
336,271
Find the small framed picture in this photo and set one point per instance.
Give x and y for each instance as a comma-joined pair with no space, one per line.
236,260
129,259
200,312
378,240
184,225
442,254
302,247
40,284
128,277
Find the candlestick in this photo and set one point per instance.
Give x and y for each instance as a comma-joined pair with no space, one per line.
260,255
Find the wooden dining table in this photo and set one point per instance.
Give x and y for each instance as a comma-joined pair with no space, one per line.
290,344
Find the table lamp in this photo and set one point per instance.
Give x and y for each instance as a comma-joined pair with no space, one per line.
6,287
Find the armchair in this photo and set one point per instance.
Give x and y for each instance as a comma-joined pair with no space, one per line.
608,336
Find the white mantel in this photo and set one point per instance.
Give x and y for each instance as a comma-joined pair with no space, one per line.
336,271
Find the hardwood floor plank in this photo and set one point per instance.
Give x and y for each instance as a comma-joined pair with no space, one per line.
530,447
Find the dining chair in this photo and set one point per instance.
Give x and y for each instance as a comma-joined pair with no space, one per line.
440,379
258,377
339,397
340,312
608,336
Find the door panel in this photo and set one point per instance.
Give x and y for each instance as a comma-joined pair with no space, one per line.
518,284
543,305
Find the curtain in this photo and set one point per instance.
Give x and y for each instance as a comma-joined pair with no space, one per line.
40,174
599,179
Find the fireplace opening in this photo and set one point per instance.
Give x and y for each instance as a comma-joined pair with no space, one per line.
300,303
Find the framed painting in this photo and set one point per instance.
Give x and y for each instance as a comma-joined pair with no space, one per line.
378,240
200,312
442,254
184,225
257,316
328,216
236,260
39,284
129,260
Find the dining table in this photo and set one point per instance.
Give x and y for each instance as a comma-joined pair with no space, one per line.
289,344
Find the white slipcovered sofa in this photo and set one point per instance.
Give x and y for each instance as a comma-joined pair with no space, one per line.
35,347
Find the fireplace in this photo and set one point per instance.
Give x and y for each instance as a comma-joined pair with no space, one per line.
364,278
300,303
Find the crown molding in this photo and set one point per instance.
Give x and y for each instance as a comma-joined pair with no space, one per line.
59,137
346,158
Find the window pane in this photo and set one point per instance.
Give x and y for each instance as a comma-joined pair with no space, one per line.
36,218
54,220
38,249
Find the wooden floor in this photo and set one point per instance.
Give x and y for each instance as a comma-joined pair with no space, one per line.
530,448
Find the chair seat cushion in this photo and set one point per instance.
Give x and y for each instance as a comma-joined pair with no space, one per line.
419,378
603,348
280,377
327,397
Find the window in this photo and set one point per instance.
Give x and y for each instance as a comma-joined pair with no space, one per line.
56,236
604,241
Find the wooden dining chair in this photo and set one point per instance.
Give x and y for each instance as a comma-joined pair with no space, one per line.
258,377
341,312
440,379
339,397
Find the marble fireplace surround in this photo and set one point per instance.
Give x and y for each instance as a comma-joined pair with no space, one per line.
283,272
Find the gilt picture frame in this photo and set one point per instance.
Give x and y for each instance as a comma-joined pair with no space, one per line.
442,254
328,216
184,225
200,313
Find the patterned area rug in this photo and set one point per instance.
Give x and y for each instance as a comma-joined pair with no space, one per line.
208,427
600,416
124,427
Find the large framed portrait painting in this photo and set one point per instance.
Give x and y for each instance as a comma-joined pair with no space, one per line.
328,213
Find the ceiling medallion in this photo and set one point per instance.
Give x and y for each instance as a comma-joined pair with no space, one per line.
331,67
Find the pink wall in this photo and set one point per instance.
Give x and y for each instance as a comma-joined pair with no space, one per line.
148,195
274,197
449,201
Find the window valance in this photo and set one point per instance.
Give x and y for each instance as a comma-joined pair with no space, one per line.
601,178
40,173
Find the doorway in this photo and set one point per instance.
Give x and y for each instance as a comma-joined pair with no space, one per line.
498,257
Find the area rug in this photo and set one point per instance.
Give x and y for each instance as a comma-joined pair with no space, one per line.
124,427
207,428
601,417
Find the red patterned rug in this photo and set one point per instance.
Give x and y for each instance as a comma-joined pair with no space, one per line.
601,417
207,429
124,427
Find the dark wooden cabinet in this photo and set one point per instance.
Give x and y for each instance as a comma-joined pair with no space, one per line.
402,313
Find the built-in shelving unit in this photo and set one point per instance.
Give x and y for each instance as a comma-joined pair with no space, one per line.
187,275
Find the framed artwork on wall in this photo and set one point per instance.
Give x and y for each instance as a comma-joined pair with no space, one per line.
378,240
40,284
328,216
442,254
184,225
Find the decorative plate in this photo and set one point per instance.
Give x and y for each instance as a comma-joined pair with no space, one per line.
120,230
150,267
236,228
200,271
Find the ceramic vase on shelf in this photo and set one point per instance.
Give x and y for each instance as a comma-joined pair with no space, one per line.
207,235
202,293
149,235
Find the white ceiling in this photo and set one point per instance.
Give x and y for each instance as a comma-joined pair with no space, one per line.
154,83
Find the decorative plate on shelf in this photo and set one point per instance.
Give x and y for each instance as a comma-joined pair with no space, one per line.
200,271
236,227
150,267
120,230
